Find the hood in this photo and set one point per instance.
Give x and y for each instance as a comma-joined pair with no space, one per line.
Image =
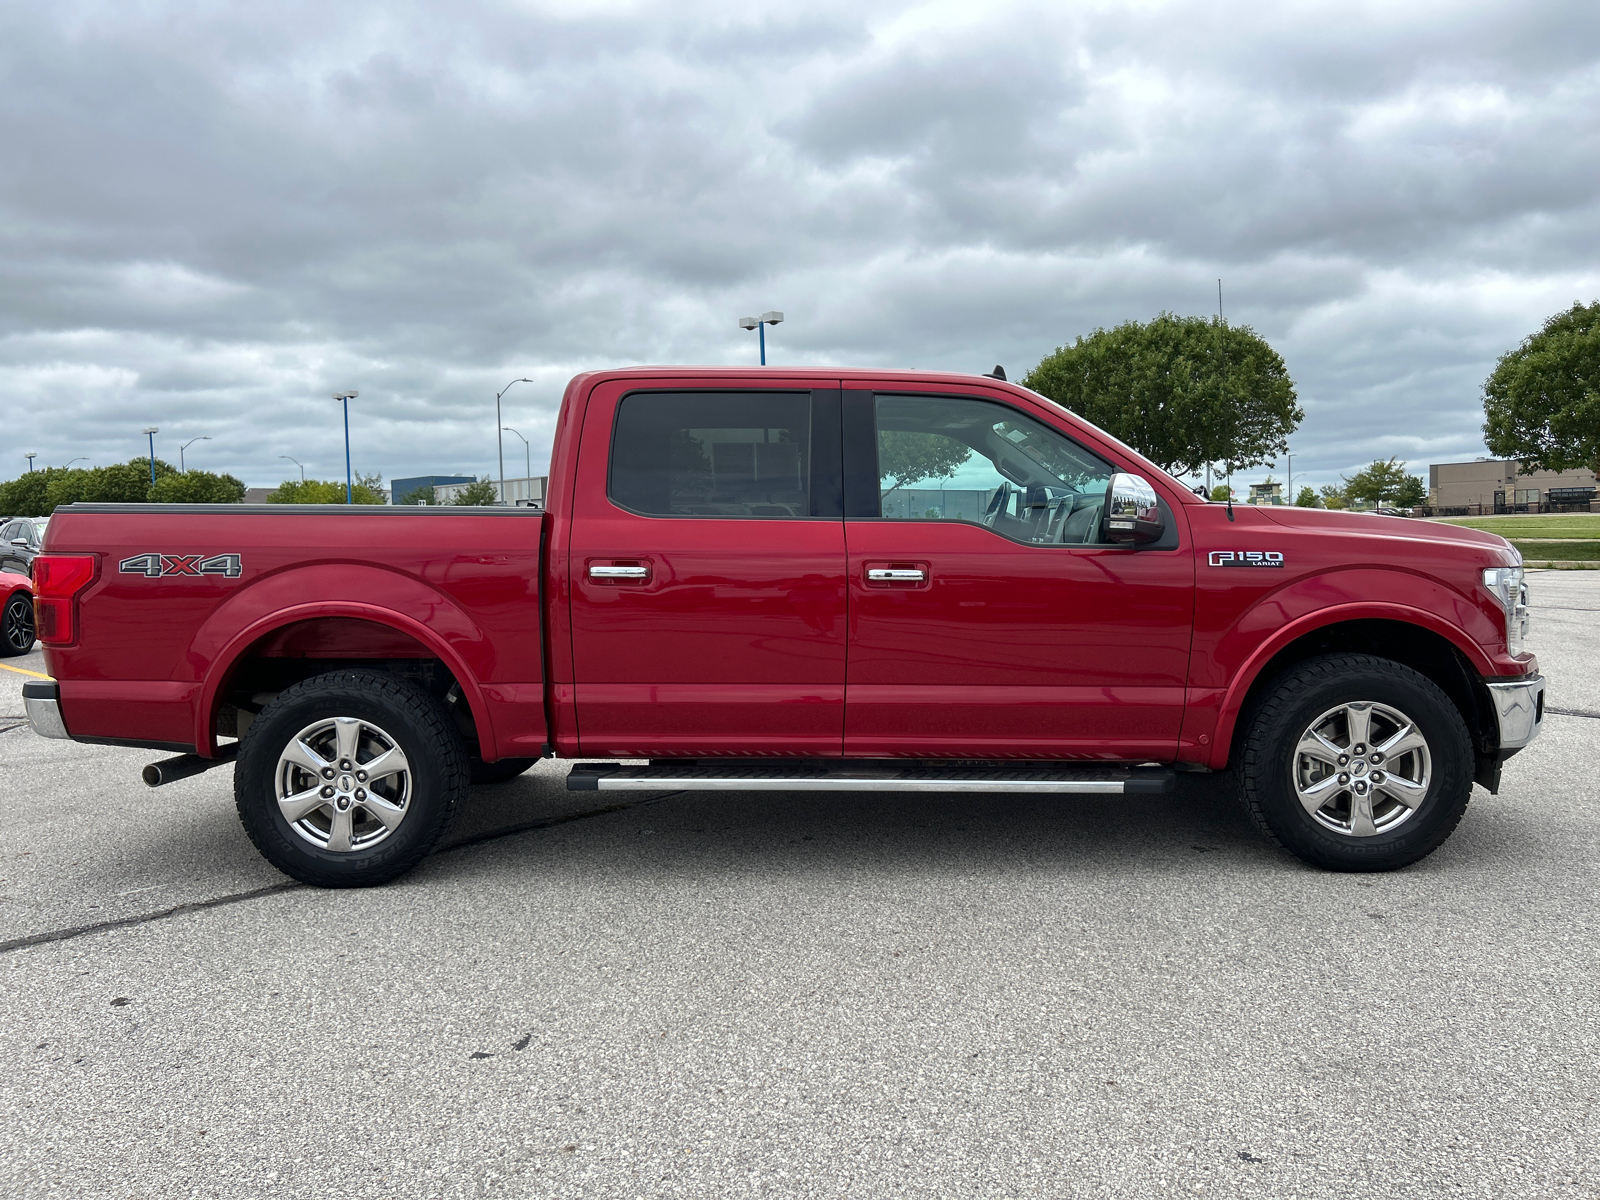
1396,527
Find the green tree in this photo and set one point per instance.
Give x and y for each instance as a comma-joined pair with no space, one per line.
1222,493
366,489
1378,484
1541,404
1183,391
1412,492
197,487
482,492
1307,499
1333,496
914,457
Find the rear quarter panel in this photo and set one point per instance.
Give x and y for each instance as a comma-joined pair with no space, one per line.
153,652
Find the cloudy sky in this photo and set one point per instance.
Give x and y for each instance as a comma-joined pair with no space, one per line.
214,215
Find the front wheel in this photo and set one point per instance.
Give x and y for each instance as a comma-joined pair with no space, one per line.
1355,763
16,625
349,779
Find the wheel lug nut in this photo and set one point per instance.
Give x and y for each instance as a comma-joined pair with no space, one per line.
344,764
1377,777
362,776
1361,748
1343,759
1376,757
1344,777
326,792
327,772
1361,789
361,794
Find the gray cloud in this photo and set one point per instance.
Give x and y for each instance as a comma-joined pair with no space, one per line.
211,218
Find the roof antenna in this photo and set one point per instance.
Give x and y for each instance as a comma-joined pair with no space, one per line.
999,373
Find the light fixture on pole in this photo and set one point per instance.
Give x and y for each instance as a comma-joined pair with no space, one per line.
297,463
500,442
185,446
345,398
759,324
527,457
30,456
150,432
70,461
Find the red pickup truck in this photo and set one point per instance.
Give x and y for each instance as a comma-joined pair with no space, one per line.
781,580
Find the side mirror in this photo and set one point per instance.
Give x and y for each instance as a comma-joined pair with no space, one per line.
1133,514
23,542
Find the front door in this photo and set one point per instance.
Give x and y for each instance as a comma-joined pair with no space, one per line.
987,617
707,567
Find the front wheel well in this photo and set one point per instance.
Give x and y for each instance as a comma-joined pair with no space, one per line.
1424,651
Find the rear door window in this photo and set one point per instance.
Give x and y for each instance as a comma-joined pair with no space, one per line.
713,454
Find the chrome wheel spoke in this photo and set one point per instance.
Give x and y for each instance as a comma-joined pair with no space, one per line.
1361,824
1314,745
340,830
1403,742
389,814
1313,796
303,756
390,762
1358,719
347,734
301,805
1406,791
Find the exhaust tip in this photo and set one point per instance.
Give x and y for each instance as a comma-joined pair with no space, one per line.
152,775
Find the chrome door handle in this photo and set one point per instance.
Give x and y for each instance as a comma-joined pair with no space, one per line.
896,575
619,572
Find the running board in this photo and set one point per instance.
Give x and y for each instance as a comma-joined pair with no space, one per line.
747,776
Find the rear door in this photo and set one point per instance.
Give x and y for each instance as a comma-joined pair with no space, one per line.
707,566
987,618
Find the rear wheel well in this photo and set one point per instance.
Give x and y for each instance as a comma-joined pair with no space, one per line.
1423,650
302,650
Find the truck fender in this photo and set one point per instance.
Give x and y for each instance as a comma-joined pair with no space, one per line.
448,632
1233,698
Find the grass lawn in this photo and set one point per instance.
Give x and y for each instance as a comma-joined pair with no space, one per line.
1552,525
1558,551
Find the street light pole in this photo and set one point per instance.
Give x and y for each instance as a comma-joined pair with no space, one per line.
297,463
527,457
150,432
30,457
345,398
1291,479
759,324
500,442
70,461
185,446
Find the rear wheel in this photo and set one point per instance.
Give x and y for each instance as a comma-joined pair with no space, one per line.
16,625
349,779
1355,763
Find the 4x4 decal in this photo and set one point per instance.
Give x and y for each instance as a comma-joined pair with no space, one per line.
155,565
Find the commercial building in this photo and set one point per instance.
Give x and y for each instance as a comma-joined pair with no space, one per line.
399,489
520,492
1270,492
1496,484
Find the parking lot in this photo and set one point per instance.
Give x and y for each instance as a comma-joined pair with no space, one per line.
805,995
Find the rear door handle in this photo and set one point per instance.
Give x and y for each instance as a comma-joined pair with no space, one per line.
896,575
599,571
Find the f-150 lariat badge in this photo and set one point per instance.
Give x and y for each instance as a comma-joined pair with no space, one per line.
1246,558
155,565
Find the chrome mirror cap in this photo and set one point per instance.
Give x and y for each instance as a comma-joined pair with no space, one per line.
1133,513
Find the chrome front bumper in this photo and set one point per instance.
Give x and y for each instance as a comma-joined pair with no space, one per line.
41,700
1519,705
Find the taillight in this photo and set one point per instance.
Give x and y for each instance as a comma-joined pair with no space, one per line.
57,580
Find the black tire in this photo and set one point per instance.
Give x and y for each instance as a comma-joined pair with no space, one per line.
1267,763
436,778
497,772
16,625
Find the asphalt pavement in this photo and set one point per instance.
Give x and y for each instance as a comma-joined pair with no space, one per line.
804,995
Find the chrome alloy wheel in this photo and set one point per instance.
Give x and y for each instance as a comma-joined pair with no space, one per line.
1361,769
343,784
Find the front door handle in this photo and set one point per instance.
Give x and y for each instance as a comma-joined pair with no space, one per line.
896,575
599,571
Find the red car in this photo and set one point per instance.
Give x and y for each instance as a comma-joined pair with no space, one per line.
16,614
781,580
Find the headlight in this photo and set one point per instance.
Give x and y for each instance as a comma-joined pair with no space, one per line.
1507,586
